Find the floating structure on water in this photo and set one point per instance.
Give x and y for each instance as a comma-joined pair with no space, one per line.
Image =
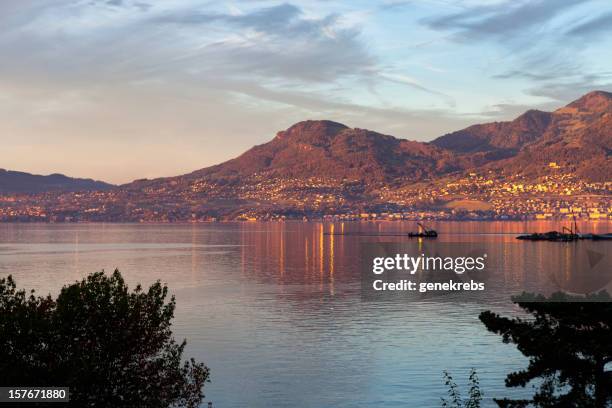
566,235
549,236
563,237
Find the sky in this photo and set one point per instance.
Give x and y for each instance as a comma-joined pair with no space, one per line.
118,90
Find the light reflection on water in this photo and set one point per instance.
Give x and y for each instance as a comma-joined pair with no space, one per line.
275,309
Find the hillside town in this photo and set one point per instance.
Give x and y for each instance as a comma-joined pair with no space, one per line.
471,196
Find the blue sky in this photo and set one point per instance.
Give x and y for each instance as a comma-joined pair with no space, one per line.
121,89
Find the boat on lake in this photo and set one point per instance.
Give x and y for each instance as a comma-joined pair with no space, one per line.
423,232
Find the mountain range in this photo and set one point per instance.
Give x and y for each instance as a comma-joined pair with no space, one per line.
577,137
324,164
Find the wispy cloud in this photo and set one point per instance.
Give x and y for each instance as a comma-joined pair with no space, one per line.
280,42
502,19
596,26
413,83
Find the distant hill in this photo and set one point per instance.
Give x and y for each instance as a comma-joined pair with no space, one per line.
332,150
577,137
497,136
20,182
319,149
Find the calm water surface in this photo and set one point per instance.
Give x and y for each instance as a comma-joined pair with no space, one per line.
274,309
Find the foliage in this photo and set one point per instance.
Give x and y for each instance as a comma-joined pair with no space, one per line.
568,341
112,347
454,395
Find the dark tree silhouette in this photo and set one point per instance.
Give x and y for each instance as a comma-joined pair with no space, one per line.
113,347
568,340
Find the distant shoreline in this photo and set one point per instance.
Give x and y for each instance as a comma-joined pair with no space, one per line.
296,221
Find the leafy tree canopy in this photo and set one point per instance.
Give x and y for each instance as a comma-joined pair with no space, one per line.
113,347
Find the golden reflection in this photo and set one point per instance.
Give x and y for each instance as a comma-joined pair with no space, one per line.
318,254
321,249
314,251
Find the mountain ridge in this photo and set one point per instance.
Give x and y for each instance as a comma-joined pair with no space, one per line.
336,150
529,143
535,163
21,182
576,137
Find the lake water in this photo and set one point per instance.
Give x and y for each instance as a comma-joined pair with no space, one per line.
275,309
